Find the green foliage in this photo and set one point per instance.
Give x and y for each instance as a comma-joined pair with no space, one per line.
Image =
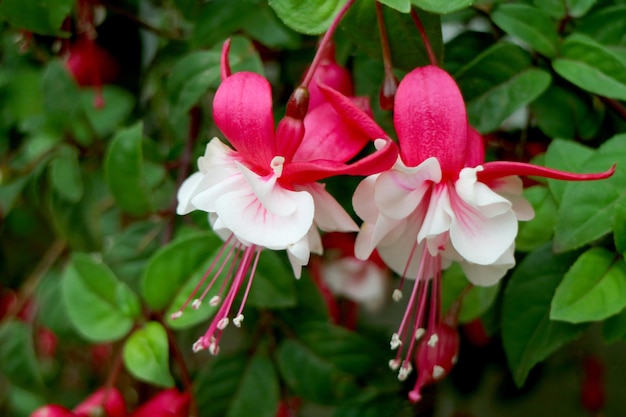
17,356
530,25
311,17
146,355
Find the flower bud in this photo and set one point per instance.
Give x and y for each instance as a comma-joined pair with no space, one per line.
167,403
435,357
112,402
387,92
52,410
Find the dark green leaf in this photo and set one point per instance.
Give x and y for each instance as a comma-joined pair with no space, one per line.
40,16
593,289
199,71
528,335
311,376
238,386
614,328
266,28
403,6
529,24
50,311
9,193
555,8
442,6
146,355
173,265
464,48
124,171
578,8
376,406
619,227
592,67
566,156
61,97
274,285
475,302
219,19
18,362
65,175
586,211
407,48
311,17
606,26
100,307
118,106
540,229
498,82
566,114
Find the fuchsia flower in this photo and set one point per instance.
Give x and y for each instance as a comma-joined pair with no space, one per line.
110,400
262,191
440,203
167,403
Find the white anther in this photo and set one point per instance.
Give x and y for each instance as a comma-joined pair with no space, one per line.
196,303
397,295
404,371
395,342
419,333
198,346
215,300
237,320
394,364
176,315
222,323
455,359
433,339
438,372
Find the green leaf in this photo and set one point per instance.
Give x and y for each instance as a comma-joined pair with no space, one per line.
531,25
100,307
565,155
119,104
65,175
124,171
593,289
403,6
540,229
9,194
311,376
265,27
238,386
475,302
18,361
442,6
146,355
567,114
40,16
173,265
407,48
528,335
511,83
619,227
274,285
61,97
578,8
199,71
50,312
586,210
592,67
219,19
614,328
382,404
555,8
312,17
606,26
464,47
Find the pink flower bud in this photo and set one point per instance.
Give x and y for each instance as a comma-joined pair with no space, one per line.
111,400
330,74
91,65
52,410
435,356
167,403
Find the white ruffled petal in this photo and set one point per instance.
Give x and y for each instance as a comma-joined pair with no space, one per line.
487,275
512,188
438,214
363,200
299,254
360,281
479,195
186,192
269,193
399,192
329,215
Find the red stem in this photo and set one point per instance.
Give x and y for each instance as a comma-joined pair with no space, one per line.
420,28
325,40
384,40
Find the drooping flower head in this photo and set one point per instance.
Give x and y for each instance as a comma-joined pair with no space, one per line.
262,191
440,203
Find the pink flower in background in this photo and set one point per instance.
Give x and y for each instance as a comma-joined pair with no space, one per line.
102,402
440,203
167,403
262,191
52,410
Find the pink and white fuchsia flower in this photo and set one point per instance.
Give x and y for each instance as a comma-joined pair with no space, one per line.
262,191
441,203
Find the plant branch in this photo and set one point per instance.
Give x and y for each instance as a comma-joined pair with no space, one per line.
422,31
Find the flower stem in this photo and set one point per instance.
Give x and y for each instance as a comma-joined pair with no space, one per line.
422,31
384,40
322,46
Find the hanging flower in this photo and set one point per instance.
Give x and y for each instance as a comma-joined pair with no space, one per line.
262,191
167,403
441,203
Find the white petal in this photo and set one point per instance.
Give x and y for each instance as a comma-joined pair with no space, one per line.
360,281
479,195
403,248
512,188
186,192
268,193
438,215
398,193
217,156
299,254
363,200
487,275
243,212
208,194
480,239
329,215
